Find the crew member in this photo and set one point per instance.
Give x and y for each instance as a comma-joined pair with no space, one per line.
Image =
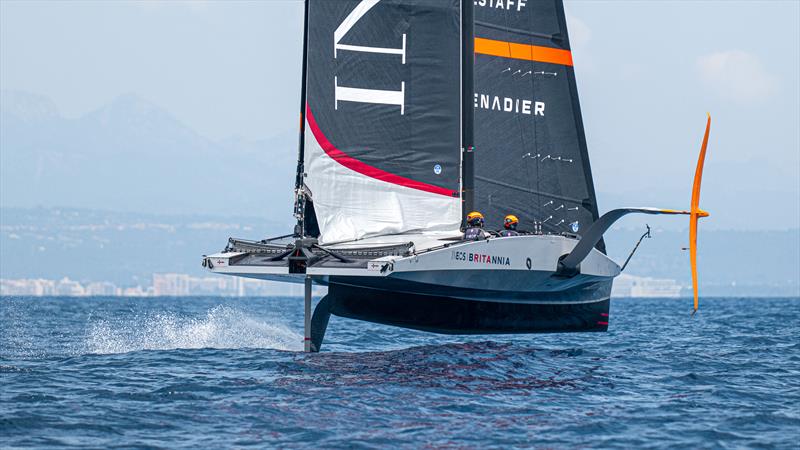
474,230
510,226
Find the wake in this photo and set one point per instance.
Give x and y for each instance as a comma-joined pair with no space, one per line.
222,327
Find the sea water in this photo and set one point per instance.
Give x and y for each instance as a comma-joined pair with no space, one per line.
215,372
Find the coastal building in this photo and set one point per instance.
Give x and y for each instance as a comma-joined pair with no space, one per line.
163,284
632,286
102,289
171,284
28,287
68,288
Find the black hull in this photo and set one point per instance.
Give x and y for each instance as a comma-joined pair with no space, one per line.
580,309
456,316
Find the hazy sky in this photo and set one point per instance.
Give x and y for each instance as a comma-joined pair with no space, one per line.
647,73
224,68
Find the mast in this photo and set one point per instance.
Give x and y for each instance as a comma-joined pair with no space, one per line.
299,191
467,111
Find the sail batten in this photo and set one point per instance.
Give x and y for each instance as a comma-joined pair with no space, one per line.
547,195
550,37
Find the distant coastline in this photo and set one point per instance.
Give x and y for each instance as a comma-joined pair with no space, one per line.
161,285
126,249
185,285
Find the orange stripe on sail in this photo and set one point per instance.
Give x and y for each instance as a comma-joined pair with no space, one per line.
525,52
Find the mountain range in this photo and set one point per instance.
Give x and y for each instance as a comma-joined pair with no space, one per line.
131,155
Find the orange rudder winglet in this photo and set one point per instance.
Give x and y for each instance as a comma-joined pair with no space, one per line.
696,213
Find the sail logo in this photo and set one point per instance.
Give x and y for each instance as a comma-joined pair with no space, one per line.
481,258
508,5
360,95
508,104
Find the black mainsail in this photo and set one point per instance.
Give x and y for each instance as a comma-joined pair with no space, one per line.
530,150
383,116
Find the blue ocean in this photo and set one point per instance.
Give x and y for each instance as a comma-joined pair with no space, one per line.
215,372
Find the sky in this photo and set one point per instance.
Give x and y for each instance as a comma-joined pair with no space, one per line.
224,68
648,71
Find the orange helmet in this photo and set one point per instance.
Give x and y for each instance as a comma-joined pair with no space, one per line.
475,219
511,222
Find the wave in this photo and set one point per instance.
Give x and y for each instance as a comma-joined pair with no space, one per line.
222,327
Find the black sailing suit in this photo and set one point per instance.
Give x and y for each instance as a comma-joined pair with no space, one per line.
474,234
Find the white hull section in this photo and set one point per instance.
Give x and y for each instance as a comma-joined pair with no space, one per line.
506,269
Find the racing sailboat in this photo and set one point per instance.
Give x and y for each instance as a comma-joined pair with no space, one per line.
414,113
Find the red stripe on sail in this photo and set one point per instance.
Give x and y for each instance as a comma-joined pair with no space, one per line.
365,169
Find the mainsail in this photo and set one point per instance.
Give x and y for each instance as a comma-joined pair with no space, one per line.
530,150
383,116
